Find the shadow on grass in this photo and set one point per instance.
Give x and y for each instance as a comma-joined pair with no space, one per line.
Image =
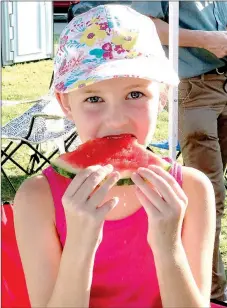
7,192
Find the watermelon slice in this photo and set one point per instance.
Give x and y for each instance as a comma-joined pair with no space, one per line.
122,151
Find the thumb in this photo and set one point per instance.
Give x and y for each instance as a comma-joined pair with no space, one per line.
107,207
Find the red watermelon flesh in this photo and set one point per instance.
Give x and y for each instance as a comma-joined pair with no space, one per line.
122,151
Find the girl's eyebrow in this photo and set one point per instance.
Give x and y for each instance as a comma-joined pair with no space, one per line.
89,91
131,86
134,86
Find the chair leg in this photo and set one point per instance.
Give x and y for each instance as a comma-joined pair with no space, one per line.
8,157
45,162
8,180
74,136
11,153
38,153
33,159
7,147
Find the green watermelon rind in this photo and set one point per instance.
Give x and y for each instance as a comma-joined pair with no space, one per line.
121,182
71,175
63,172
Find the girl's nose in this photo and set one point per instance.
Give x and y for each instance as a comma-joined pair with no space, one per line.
116,117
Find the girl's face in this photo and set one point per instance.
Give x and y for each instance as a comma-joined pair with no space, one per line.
113,107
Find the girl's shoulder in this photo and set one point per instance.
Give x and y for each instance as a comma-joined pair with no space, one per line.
198,189
192,177
34,200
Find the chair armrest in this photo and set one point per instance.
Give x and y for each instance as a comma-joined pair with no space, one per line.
43,115
47,116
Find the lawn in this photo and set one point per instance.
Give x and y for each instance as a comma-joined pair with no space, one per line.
26,81
30,81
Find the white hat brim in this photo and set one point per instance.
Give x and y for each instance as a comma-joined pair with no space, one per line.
150,68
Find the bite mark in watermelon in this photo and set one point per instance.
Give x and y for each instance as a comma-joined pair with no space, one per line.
122,151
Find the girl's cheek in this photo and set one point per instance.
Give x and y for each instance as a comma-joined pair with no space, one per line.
86,113
140,110
87,123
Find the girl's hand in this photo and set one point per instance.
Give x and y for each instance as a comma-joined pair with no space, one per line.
82,204
165,203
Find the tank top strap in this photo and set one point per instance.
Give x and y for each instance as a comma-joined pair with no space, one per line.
176,170
58,185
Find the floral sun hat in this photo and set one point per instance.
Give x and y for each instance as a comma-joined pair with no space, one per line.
110,41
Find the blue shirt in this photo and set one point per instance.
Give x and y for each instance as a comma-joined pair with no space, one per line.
193,15
84,6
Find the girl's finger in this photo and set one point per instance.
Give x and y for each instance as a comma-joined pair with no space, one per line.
102,211
161,184
146,203
98,196
150,194
92,181
171,180
79,179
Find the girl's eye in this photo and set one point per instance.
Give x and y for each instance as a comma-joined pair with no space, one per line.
135,95
94,99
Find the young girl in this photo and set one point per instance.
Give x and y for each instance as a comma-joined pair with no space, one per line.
130,246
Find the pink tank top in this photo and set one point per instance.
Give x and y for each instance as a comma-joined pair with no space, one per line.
124,272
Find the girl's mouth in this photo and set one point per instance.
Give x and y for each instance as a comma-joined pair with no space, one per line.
120,134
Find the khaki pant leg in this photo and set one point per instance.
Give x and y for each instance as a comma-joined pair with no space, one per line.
222,134
200,105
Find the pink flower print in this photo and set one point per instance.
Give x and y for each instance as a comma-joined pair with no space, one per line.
74,62
63,68
107,47
64,39
104,26
90,36
119,49
88,23
60,86
108,55
108,51
63,42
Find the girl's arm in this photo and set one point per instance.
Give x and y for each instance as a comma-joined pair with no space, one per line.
54,279
72,288
185,274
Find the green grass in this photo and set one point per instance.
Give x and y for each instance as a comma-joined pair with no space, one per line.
26,81
9,112
223,237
